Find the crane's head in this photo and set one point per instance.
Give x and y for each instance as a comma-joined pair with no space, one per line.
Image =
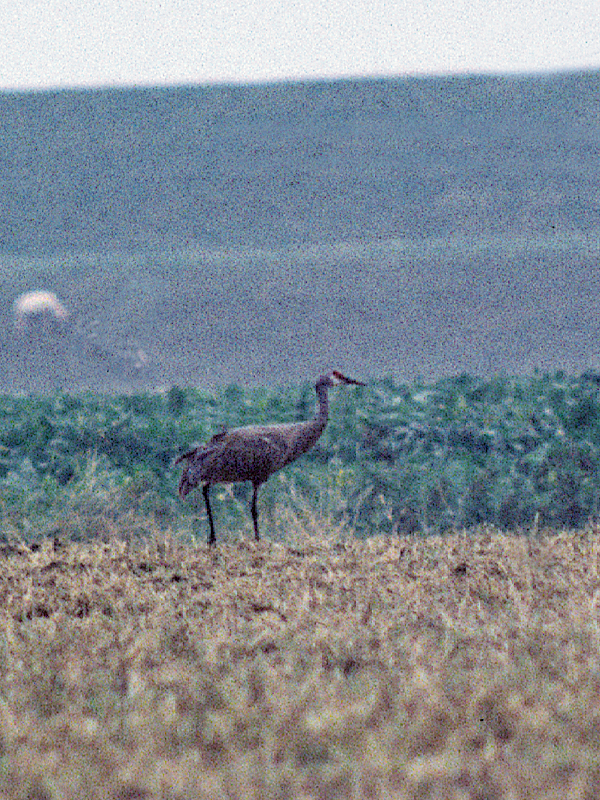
335,377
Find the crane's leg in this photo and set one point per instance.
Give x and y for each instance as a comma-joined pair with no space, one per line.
254,510
211,537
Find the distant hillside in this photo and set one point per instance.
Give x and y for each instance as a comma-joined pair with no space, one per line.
259,234
258,317
274,165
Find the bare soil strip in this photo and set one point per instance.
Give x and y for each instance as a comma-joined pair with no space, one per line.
465,666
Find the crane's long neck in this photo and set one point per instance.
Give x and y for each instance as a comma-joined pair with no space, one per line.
305,434
322,415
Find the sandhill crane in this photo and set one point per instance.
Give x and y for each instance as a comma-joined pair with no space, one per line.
254,452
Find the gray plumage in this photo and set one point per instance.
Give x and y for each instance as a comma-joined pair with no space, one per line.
254,452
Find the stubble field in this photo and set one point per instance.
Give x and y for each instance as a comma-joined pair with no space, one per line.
462,666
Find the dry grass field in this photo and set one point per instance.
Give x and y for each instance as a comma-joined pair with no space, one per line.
465,666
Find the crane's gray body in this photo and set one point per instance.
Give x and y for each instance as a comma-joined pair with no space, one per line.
254,452
248,454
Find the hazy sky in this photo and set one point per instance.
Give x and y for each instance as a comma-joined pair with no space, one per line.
56,43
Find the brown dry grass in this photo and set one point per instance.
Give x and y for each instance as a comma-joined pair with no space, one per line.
459,667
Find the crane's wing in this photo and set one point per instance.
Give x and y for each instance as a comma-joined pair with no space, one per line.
242,454
190,454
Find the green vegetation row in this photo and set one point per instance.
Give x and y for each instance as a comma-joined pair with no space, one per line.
393,459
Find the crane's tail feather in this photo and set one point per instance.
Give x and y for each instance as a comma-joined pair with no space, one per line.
192,473
183,456
185,485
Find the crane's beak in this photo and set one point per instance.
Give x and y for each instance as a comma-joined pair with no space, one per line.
343,379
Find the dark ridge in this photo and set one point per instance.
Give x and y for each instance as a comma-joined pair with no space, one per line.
272,165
